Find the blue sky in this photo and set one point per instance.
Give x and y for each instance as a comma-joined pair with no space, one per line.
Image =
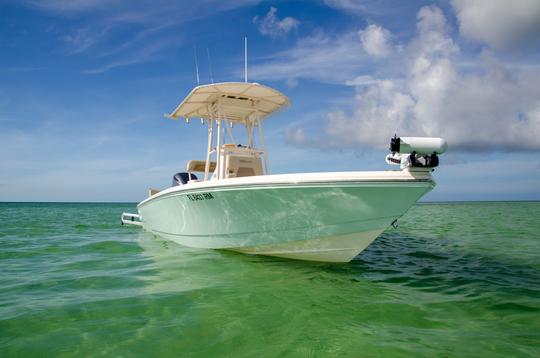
84,85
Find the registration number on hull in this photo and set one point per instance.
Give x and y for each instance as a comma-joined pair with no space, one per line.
200,196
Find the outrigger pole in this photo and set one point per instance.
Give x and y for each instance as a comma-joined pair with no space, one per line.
210,65
245,59
196,65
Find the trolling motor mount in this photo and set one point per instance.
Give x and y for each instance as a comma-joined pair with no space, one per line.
417,152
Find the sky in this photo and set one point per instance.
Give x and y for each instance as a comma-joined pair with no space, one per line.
84,85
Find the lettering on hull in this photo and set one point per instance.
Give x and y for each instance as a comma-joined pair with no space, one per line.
200,196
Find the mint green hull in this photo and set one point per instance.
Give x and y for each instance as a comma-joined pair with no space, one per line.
322,222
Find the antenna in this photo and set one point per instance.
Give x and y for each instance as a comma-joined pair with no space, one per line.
245,59
210,65
196,64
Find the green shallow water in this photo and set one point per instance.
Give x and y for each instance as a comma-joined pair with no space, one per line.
453,280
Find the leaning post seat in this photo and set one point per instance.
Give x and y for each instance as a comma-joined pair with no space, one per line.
183,178
199,166
237,166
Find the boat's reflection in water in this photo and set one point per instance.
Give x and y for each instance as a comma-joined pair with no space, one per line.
181,269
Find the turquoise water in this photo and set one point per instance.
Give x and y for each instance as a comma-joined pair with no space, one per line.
453,280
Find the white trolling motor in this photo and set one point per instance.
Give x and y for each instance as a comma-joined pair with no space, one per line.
418,152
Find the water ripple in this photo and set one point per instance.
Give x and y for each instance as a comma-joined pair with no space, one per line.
452,280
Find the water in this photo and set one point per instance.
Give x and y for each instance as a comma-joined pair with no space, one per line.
454,280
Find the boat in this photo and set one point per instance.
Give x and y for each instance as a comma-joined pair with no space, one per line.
229,200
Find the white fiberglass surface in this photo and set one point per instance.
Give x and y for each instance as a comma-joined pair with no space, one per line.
243,217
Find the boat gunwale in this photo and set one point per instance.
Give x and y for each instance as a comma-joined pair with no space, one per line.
220,186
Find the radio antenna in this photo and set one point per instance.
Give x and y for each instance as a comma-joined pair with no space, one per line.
196,64
210,65
245,59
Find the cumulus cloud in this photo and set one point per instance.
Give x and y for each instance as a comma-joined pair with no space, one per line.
375,41
272,26
486,106
501,24
330,58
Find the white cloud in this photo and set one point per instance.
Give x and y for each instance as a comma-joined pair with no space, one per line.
431,18
336,59
96,160
272,26
69,6
82,39
348,5
138,11
100,33
501,24
380,109
292,83
361,81
142,55
315,57
375,40
22,69
487,106
296,136
370,7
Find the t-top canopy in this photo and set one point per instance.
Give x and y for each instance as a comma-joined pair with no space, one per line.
234,101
